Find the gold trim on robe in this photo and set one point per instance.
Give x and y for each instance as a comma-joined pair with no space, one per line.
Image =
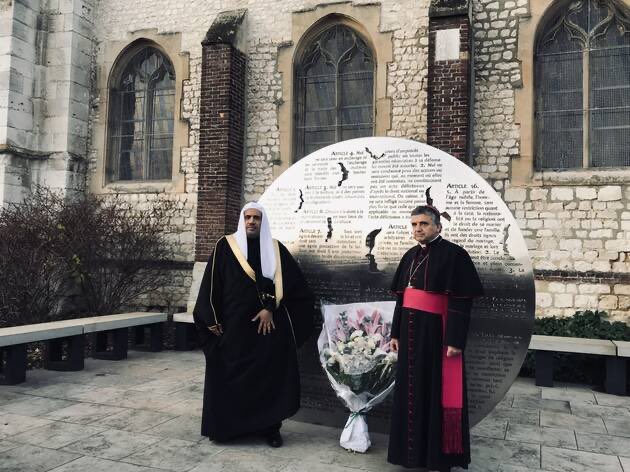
278,277
242,260
214,311
240,257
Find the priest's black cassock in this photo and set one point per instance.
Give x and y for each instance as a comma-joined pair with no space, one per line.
435,286
252,381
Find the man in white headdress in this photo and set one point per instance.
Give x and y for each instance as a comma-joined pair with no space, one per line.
253,311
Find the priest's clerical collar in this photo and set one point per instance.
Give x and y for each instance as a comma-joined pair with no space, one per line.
437,237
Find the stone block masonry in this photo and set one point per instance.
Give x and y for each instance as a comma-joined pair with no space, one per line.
264,94
579,241
45,53
407,83
496,137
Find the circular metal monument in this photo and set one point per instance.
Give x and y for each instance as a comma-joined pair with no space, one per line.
344,211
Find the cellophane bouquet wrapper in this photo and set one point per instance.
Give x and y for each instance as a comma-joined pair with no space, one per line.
354,350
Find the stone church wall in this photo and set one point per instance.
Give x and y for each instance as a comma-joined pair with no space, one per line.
577,224
268,31
579,235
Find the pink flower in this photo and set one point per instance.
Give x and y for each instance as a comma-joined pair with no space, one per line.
374,324
354,324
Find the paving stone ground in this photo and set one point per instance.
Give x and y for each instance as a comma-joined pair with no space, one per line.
143,414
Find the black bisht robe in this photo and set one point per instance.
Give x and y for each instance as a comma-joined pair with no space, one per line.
416,432
252,381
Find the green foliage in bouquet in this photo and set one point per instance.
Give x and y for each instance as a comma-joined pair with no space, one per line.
374,381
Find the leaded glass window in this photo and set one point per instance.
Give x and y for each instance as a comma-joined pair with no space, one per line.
583,87
142,98
334,90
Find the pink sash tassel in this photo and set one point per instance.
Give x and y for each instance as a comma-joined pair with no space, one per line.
452,370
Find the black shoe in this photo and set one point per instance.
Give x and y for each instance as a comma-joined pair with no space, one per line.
275,439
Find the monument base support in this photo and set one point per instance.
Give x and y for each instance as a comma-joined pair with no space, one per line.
118,349
153,342
544,368
73,360
184,336
13,364
615,375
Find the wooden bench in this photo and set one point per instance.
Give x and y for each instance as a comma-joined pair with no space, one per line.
67,336
185,332
545,346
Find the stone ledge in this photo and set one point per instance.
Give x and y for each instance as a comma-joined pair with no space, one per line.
446,8
581,177
577,345
39,332
183,318
125,320
574,275
225,28
75,327
623,348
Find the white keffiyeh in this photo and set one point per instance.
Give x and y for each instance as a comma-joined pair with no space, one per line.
267,254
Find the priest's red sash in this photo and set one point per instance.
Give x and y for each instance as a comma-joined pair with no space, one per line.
452,370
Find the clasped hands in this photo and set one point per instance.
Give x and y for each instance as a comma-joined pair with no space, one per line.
450,350
265,321
216,329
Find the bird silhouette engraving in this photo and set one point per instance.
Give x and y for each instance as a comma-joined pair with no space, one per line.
374,156
344,174
301,201
443,214
506,235
370,240
330,229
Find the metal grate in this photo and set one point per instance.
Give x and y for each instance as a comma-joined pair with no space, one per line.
583,87
334,94
610,107
559,110
140,144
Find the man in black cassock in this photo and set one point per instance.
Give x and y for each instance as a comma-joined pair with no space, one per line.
253,311
435,284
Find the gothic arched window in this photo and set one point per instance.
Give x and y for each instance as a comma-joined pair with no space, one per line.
141,114
583,86
334,90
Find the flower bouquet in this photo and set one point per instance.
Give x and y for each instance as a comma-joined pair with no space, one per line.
354,350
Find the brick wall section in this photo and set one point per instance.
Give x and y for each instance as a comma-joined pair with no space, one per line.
448,104
221,141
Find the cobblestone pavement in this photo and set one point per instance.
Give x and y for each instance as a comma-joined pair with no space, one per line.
142,414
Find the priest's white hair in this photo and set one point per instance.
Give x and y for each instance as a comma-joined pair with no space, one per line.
267,253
